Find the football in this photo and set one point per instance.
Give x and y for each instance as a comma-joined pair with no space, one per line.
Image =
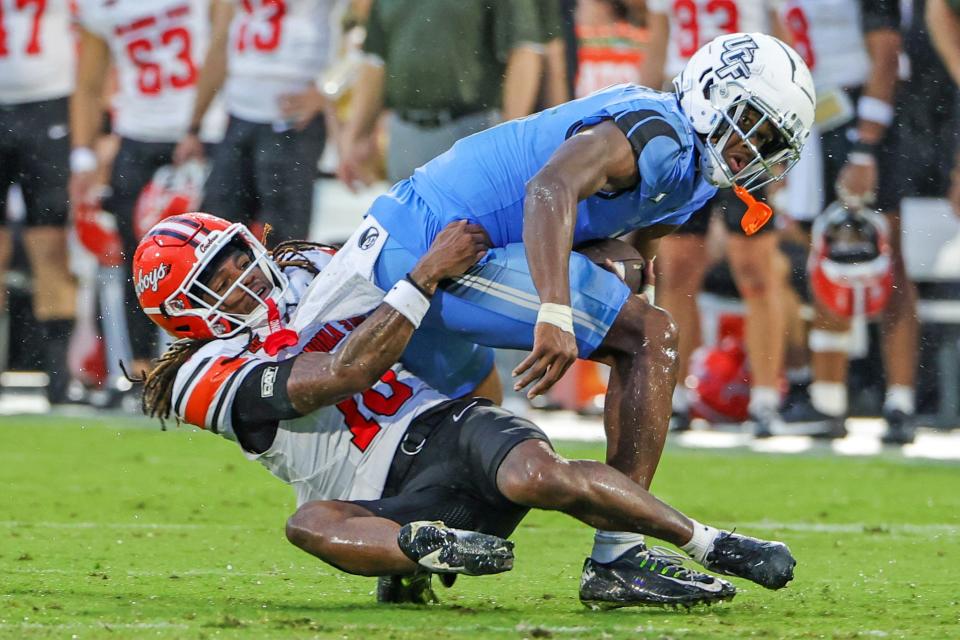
627,261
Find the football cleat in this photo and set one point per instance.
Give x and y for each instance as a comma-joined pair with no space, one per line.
648,578
766,423
769,564
412,589
899,430
822,425
441,549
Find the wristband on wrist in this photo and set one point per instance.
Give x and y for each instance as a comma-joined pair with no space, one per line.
559,315
82,159
193,130
875,110
408,301
426,294
862,159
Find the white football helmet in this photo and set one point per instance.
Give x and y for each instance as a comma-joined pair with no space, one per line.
737,72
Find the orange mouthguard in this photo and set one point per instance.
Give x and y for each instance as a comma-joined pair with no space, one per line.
758,213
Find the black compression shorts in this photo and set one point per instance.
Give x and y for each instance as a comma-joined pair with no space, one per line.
453,476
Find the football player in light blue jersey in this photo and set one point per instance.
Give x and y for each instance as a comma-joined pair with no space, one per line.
625,158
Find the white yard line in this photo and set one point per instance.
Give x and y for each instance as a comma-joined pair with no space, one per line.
945,528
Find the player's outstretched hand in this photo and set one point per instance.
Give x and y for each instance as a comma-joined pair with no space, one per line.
455,249
554,350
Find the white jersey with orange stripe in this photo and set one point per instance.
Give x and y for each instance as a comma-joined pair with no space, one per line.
158,48
339,452
37,51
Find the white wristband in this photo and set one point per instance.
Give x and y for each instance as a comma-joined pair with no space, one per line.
861,158
875,110
559,315
405,298
82,159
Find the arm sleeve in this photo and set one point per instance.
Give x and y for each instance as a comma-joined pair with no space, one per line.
515,22
262,396
206,388
880,14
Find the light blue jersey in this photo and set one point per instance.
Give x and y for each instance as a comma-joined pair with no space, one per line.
483,177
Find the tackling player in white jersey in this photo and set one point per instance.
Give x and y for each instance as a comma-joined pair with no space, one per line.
36,76
156,48
292,355
268,55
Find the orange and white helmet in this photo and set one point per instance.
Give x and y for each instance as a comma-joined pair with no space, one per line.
173,262
850,267
173,190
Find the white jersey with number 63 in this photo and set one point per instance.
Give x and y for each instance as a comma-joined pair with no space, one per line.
158,48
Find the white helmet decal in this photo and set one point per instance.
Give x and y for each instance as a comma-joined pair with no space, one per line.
738,85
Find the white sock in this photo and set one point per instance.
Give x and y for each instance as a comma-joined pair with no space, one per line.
829,398
681,398
701,542
610,545
763,399
900,397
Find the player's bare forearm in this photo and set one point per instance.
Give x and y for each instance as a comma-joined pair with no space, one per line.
521,82
944,26
321,379
598,158
883,45
368,99
214,70
652,71
86,100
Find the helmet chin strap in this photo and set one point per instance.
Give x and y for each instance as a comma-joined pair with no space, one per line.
278,336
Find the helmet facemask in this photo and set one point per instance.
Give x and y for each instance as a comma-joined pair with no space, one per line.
746,119
195,296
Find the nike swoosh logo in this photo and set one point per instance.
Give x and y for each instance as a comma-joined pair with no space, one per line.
458,415
714,587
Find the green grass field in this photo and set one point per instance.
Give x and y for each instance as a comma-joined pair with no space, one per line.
113,530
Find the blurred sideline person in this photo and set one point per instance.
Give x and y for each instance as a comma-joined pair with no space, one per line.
267,56
156,48
676,31
611,49
943,23
852,51
624,158
37,59
925,109
384,467
446,70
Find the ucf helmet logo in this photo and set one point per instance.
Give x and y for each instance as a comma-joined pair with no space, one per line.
737,55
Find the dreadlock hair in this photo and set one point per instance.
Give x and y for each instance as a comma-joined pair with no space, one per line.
157,398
